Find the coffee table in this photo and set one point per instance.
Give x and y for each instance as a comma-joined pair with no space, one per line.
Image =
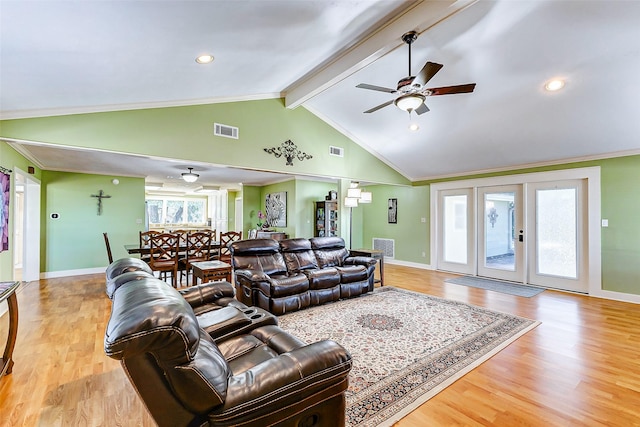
209,271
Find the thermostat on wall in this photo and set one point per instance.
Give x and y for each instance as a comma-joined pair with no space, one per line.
55,216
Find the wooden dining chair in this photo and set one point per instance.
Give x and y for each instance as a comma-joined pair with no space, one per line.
144,242
198,249
225,240
164,255
106,242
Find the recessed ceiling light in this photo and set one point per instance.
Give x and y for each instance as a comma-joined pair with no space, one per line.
413,127
553,85
204,59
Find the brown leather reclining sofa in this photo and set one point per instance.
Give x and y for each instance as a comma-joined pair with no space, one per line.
227,365
288,275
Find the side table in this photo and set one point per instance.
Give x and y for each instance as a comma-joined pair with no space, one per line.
375,254
8,293
209,271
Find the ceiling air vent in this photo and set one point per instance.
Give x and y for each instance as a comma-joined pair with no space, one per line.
336,151
225,131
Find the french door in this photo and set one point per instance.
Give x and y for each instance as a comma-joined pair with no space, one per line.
532,232
501,232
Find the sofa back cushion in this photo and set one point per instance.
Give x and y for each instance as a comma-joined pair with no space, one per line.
258,254
298,255
329,251
152,322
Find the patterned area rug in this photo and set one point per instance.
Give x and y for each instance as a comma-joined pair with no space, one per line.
517,289
406,346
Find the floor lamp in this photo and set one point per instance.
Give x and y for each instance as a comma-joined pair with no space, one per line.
355,195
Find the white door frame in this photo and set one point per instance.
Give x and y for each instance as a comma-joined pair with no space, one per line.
31,224
590,174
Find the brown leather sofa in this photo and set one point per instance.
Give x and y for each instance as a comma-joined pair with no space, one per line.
229,365
292,274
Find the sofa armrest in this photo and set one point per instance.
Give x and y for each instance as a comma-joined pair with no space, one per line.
360,260
251,275
207,293
288,378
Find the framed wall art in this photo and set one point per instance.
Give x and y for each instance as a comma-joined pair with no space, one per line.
276,209
393,211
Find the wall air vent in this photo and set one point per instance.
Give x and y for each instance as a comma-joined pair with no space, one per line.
387,246
225,131
336,151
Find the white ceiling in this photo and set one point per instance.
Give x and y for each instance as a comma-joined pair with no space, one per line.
60,57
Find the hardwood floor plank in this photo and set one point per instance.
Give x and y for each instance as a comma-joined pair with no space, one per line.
579,367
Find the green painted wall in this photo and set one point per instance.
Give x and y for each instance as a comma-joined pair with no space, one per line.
74,240
11,159
186,133
307,193
620,180
251,204
411,235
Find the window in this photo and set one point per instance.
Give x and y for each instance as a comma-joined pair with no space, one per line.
177,210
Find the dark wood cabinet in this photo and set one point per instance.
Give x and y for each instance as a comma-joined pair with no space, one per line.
326,218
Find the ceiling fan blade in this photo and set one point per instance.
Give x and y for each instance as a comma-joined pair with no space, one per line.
422,109
428,71
379,107
449,90
378,88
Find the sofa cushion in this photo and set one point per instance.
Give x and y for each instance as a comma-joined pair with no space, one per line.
298,255
323,278
282,285
353,273
329,251
258,254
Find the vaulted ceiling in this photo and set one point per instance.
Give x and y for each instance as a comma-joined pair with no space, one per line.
61,57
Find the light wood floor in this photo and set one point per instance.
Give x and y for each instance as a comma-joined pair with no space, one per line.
580,367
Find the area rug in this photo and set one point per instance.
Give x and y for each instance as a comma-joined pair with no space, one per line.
406,347
497,286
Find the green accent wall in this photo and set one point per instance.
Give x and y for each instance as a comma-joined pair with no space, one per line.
186,133
411,235
74,241
11,159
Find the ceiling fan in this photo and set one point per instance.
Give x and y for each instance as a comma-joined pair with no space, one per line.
411,91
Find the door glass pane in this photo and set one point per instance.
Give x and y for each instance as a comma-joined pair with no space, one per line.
455,229
499,231
556,232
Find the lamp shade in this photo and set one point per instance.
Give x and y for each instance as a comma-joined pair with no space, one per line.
354,193
190,176
351,202
365,197
409,102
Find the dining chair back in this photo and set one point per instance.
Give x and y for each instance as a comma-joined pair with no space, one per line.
198,248
225,240
144,242
106,242
163,249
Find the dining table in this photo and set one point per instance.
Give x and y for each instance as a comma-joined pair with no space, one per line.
135,248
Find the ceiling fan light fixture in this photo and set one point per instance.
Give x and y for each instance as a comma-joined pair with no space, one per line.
204,59
409,102
554,85
190,176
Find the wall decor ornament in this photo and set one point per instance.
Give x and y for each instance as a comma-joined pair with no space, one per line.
5,196
290,151
276,209
100,196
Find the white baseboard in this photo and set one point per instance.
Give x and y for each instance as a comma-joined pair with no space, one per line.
66,273
408,264
616,296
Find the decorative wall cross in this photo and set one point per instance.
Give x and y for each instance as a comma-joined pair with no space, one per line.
289,150
100,196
